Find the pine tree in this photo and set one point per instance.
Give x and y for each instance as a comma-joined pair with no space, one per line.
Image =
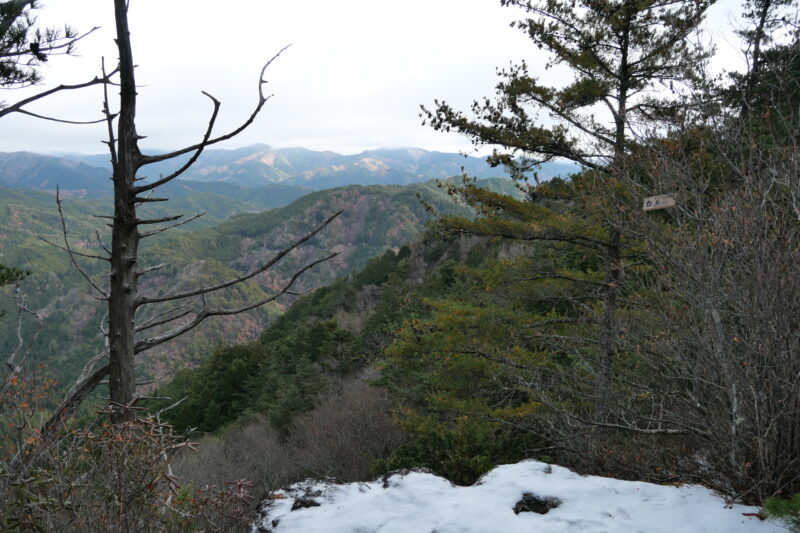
767,23
620,53
9,275
24,46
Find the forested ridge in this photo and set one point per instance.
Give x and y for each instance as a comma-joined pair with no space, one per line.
637,319
204,251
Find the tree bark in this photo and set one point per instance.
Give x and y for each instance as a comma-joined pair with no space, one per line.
755,63
608,325
125,235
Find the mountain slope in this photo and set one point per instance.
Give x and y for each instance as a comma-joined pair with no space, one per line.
33,171
374,219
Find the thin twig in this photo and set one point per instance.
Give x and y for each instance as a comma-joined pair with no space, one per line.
207,141
205,313
205,290
181,223
71,253
17,107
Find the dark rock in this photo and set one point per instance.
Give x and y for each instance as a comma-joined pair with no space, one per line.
531,503
303,503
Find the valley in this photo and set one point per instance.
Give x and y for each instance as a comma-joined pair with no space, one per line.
242,227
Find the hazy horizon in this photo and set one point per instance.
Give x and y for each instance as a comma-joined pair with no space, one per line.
353,79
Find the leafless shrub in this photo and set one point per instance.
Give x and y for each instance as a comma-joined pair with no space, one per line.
724,297
117,478
348,429
252,449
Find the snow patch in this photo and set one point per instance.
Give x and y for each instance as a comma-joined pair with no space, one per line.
501,501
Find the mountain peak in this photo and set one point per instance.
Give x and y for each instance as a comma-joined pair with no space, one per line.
260,164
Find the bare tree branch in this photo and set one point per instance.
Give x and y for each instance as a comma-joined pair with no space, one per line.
17,107
635,429
101,243
79,392
150,269
156,320
146,344
207,141
148,200
109,117
181,223
163,321
12,364
143,222
61,120
71,253
263,268
22,309
74,252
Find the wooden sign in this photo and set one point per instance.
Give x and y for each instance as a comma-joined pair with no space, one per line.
661,201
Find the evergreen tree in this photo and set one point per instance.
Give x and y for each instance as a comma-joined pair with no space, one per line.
620,53
768,22
9,275
512,342
24,46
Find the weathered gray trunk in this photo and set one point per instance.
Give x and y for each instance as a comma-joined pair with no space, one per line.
125,236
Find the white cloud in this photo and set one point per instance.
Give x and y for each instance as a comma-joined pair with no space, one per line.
353,79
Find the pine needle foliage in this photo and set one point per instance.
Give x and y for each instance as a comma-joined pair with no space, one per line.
25,46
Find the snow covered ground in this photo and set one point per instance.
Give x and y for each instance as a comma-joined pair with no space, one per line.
419,502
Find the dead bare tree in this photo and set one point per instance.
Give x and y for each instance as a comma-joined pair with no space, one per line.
130,191
126,333
124,298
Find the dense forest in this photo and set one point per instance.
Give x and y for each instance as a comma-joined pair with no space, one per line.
637,319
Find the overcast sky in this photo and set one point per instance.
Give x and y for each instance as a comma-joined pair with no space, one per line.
353,79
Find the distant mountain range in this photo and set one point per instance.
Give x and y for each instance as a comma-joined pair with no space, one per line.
257,199
254,167
34,171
